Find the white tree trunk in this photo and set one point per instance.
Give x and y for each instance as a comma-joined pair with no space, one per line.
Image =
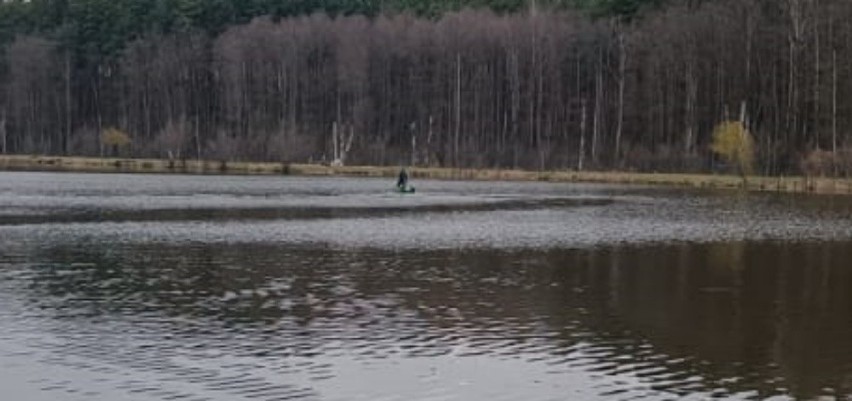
458,111
834,103
428,154
3,132
582,154
197,139
622,72
413,147
335,147
691,97
341,143
347,145
68,109
817,79
597,113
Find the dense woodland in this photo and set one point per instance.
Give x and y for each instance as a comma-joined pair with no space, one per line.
594,84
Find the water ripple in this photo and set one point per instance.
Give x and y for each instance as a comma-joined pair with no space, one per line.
533,301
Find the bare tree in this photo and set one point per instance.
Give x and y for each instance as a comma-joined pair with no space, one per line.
3,133
539,89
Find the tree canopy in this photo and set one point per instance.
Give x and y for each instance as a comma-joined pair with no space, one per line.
104,26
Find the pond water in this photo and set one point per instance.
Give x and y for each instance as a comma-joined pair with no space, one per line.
147,287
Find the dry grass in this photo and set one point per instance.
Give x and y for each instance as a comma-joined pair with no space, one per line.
82,164
106,165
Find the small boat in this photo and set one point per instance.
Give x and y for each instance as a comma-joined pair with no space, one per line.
405,189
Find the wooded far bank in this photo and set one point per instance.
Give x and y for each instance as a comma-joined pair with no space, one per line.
532,88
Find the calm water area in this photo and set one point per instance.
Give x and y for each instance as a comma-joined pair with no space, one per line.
153,287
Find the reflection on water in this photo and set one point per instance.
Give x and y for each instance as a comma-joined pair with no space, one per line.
747,320
90,312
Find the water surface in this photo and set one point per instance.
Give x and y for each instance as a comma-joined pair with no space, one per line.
146,287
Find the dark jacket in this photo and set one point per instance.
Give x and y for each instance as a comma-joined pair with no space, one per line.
403,179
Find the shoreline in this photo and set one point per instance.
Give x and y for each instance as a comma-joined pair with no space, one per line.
793,184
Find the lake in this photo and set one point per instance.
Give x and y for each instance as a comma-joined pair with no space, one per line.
149,287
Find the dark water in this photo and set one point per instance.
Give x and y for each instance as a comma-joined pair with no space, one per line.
238,288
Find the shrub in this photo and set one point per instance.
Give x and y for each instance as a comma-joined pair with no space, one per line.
734,144
114,139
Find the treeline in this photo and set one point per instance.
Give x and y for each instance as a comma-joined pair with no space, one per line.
105,25
532,85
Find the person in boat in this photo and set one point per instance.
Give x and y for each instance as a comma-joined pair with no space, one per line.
402,181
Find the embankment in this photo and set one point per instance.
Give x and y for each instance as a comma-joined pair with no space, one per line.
161,166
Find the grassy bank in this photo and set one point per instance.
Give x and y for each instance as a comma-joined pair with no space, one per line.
104,165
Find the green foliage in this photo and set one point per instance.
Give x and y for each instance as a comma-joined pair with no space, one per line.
100,27
626,8
103,27
734,143
14,19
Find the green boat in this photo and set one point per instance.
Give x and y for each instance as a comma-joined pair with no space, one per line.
405,189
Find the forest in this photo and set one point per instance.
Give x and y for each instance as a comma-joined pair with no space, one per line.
561,84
